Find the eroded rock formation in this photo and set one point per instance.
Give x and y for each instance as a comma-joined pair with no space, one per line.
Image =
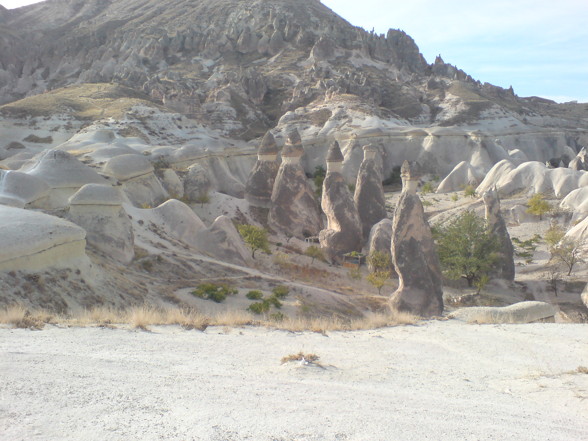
380,239
258,190
294,210
420,289
369,192
343,233
504,268
580,162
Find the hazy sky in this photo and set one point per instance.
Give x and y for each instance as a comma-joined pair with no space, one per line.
540,47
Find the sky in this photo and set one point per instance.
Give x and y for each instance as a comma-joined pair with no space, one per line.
540,47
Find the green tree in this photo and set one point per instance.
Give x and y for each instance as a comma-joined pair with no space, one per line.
378,279
427,188
315,253
538,205
466,248
553,235
379,261
255,238
203,198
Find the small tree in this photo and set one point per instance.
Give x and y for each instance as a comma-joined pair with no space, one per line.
379,261
470,191
553,236
427,188
255,238
568,252
538,205
466,248
378,279
202,198
315,253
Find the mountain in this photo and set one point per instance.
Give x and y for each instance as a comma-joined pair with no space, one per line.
243,67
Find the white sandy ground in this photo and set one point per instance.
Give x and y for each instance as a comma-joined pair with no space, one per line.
439,380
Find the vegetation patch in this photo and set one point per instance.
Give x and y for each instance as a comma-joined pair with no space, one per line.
216,293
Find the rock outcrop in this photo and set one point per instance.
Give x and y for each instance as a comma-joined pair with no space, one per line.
294,210
580,162
258,190
343,233
504,268
98,209
420,289
197,183
223,241
19,189
576,201
138,180
522,312
461,176
380,239
369,192
33,241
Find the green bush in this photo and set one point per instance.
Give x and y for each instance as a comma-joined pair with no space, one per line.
254,295
259,307
281,291
427,188
216,293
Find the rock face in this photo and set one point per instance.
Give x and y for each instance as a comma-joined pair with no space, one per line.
98,210
505,268
33,241
258,190
380,239
197,182
343,233
420,289
369,192
522,312
294,210
139,183
462,175
19,189
580,162
223,241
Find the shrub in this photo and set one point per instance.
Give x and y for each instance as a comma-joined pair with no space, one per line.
216,293
259,307
470,191
254,295
378,279
281,291
315,253
526,248
538,206
379,261
318,178
202,198
427,188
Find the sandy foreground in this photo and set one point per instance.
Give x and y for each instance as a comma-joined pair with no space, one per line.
441,380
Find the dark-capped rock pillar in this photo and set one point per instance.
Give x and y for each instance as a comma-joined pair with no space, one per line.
260,183
420,289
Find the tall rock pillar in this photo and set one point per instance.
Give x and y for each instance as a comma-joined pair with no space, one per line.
420,289
343,232
294,209
505,268
260,183
369,192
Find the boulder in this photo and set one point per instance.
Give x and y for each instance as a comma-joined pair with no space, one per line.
294,210
197,182
369,192
260,183
504,268
33,241
380,239
343,233
420,289
138,180
523,312
98,209
461,176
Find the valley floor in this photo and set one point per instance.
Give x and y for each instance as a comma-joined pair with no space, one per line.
437,380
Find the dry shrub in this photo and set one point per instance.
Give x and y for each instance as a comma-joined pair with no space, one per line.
233,318
186,318
312,358
582,370
143,316
19,317
101,316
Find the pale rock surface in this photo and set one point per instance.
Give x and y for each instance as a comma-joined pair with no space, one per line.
522,312
178,221
369,192
294,210
343,231
504,268
533,177
576,200
517,156
380,239
63,173
579,234
260,183
223,178
584,296
420,289
137,177
19,189
97,208
223,241
461,176
518,214
171,182
33,241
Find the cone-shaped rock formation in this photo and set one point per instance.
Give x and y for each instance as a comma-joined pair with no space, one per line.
258,190
505,268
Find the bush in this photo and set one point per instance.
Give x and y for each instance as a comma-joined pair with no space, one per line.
470,191
254,295
281,291
278,293
216,293
255,238
259,307
315,253
538,206
427,188
318,178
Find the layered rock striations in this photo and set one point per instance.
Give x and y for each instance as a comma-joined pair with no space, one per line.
369,192
504,268
343,232
420,289
294,210
260,184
